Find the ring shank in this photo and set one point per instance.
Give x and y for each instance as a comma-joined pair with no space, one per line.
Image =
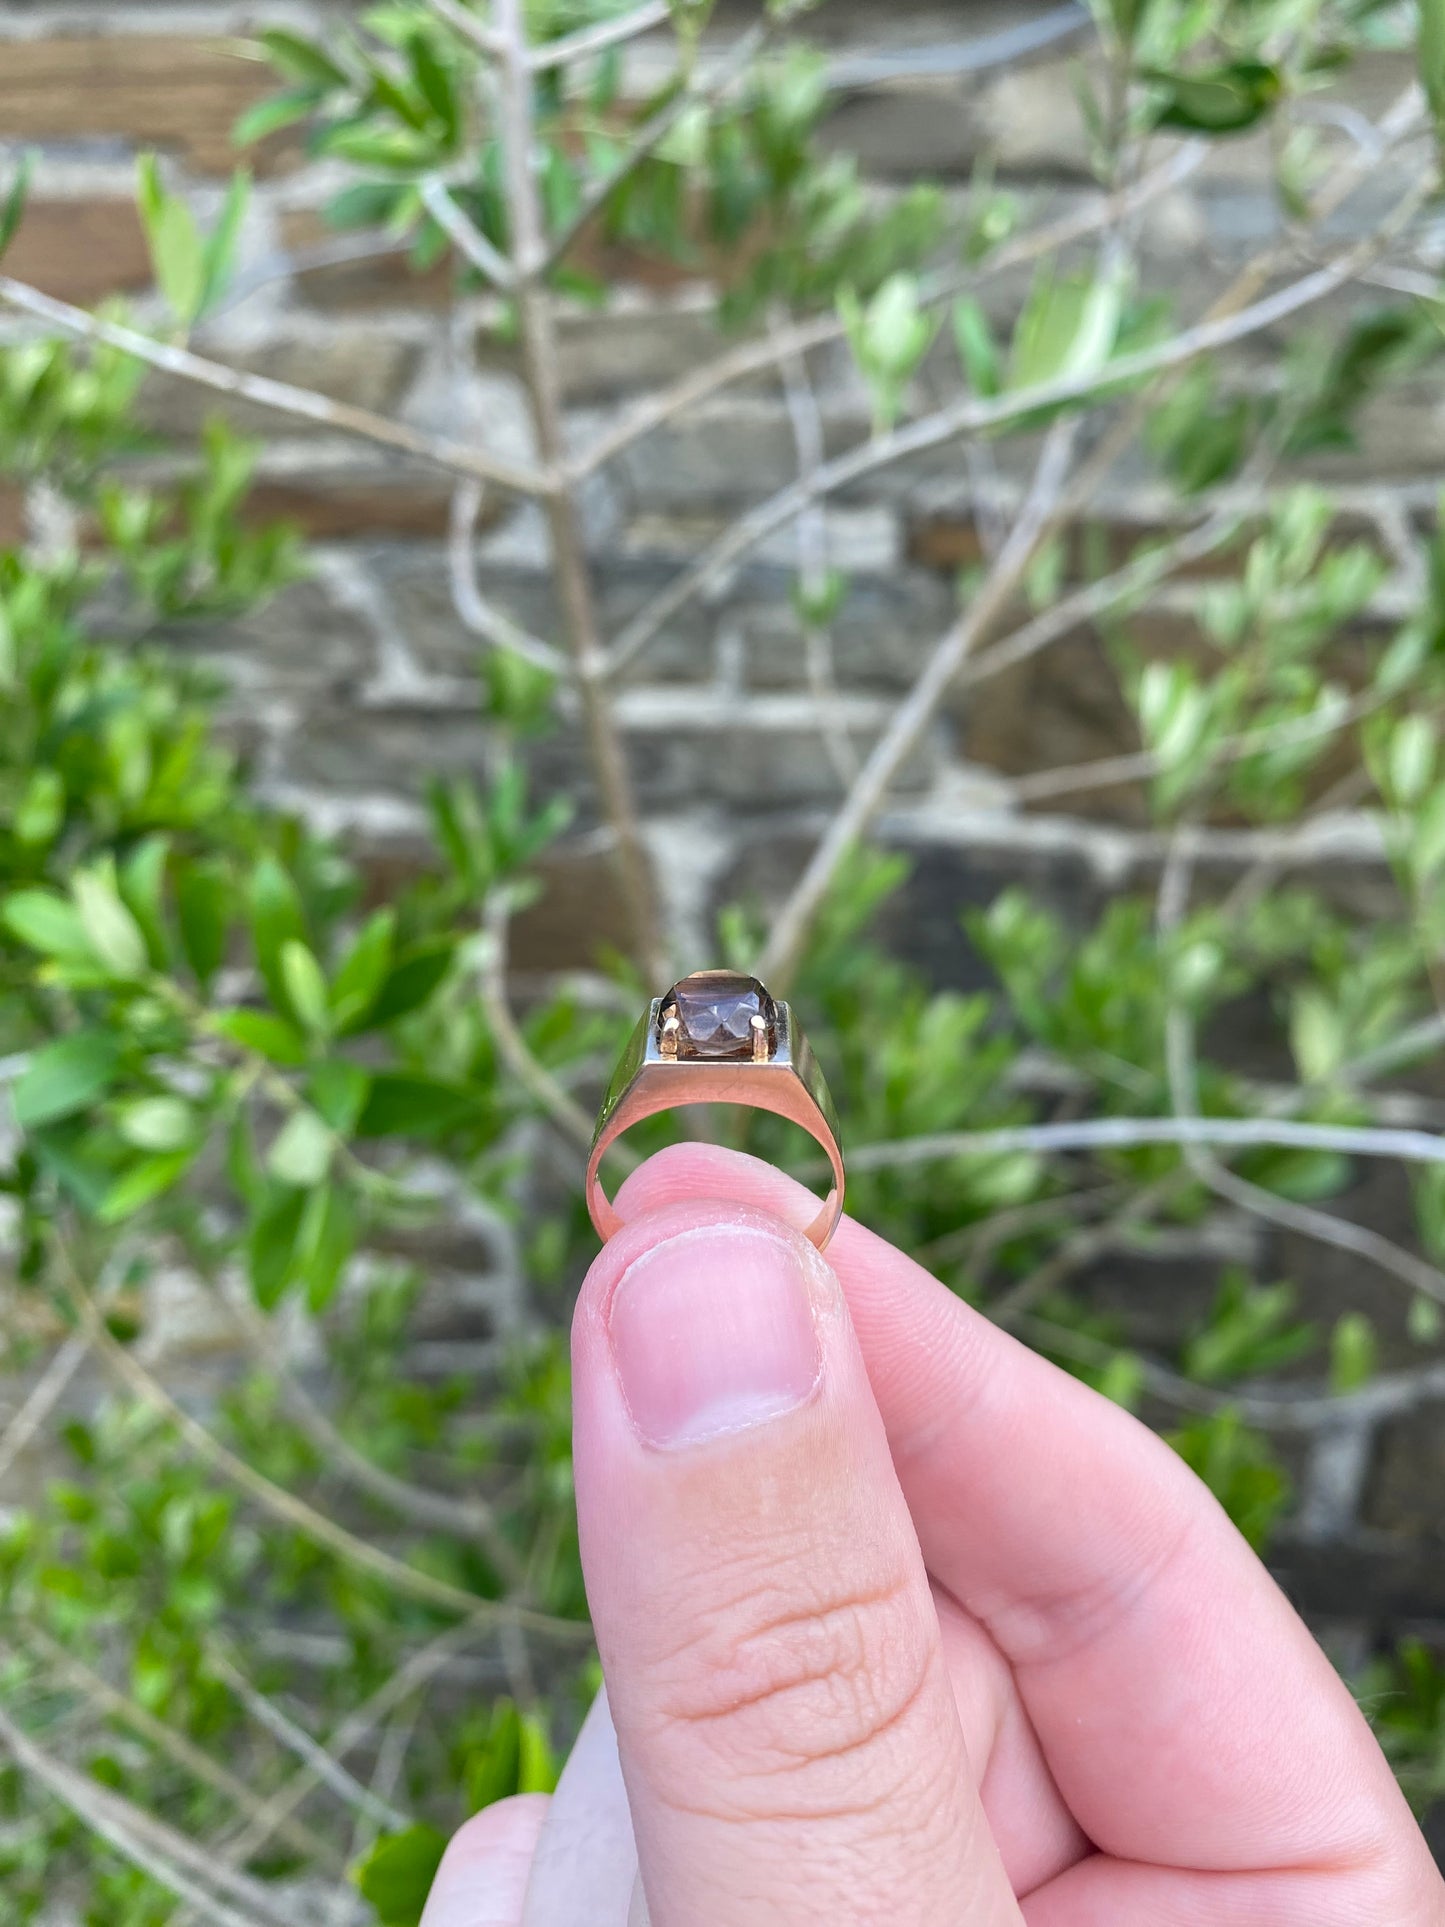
664,1087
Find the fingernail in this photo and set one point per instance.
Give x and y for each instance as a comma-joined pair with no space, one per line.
713,1332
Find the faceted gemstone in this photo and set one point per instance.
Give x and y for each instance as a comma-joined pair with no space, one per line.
715,1011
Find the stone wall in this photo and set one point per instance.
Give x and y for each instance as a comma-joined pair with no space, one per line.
358,683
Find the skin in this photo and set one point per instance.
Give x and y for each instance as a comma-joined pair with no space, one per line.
936,1636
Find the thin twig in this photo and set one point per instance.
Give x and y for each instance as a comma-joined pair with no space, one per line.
536,324
909,719
530,1073
1130,1133
168,1857
329,1771
302,403
764,355
974,414
314,1525
587,41
471,1520
466,23
166,1739
482,617
44,1396
465,236
807,427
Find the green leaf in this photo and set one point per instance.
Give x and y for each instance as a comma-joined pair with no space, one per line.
65,1077
338,1089
977,350
270,116
157,1123
1067,329
42,808
325,1243
1222,100
1353,1352
397,1875
175,242
257,1030
276,920
362,972
1432,57
1126,17
112,932
49,924
413,980
301,1153
400,1105
271,1246
302,60
142,882
305,986
1411,762
204,892
143,1183
13,208
219,253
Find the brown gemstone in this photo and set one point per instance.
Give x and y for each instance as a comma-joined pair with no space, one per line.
715,1011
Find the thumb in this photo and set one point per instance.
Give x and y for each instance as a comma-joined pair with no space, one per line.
786,1726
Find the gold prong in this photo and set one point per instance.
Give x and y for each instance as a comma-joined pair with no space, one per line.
760,1040
669,1034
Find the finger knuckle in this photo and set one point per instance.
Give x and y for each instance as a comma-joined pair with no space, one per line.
778,1686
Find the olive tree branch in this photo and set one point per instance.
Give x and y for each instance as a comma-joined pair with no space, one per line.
536,325
769,352
465,236
302,403
975,414
587,41
473,609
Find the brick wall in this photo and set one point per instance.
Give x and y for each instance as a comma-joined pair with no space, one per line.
357,683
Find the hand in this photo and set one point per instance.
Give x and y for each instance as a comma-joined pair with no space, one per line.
901,1624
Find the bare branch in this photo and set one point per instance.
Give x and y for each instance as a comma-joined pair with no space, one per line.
168,1857
534,1077
973,414
909,719
482,617
765,355
303,404
46,1393
587,41
1128,1133
329,1771
813,568
471,1520
285,1505
536,325
165,1738
463,21
465,236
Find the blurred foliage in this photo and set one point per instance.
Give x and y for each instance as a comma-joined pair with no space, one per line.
227,1064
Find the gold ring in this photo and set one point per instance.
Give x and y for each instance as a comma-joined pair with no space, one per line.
717,1038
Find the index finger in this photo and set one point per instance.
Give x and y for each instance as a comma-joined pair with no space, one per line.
1187,1715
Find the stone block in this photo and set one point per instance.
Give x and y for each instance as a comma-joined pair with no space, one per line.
79,250
355,503
1407,1477
180,93
299,642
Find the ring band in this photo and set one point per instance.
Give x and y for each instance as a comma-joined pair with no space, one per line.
717,1038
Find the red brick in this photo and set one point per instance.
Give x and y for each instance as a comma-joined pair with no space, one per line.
80,251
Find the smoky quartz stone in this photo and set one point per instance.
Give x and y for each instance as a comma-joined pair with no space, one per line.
715,1011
